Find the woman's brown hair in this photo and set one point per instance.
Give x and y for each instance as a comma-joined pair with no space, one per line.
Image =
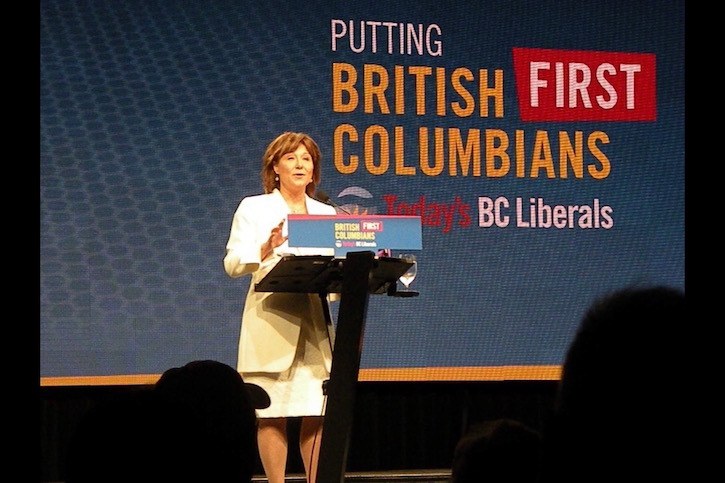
288,142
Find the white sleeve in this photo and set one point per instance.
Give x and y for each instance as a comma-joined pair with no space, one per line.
243,248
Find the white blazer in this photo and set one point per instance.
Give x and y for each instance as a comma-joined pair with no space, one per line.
271,321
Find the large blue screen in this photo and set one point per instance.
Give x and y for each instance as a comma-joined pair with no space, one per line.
541,142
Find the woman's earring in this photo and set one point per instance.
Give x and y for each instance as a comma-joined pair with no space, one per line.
276,178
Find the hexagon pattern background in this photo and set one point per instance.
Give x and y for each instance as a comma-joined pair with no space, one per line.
153,118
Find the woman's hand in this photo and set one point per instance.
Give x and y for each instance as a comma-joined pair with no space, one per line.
276,238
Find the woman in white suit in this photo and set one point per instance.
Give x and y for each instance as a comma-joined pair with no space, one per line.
285,344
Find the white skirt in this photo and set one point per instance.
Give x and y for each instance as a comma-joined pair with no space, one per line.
298,390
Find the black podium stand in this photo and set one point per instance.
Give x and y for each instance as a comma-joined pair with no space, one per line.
355,278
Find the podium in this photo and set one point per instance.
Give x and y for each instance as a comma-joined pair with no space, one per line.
323,274
355,277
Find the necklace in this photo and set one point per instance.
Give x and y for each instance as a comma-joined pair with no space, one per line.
299,210
296,206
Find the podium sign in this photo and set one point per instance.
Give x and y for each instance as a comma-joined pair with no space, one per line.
348,233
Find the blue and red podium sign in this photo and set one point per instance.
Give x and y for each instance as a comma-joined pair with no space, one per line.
354,233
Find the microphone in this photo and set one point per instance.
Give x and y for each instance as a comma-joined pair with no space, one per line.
324,198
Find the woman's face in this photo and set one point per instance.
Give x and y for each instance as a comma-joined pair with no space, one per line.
295,169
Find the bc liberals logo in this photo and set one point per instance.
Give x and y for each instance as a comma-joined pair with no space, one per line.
357,201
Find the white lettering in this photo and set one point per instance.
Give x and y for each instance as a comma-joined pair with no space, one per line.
412,39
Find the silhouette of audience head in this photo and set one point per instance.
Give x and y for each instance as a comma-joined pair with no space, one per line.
616,399
497,451
197,423
215,398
